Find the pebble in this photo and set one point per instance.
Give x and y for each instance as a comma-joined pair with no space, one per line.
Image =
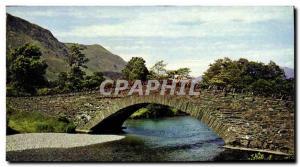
55,140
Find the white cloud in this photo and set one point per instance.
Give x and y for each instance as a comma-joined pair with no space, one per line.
166,23
214,32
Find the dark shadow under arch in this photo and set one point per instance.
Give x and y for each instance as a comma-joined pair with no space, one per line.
113,123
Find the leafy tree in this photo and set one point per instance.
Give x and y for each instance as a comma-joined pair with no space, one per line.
262,86
183,72
94,81
25,69
159,69
74,79
76,57
62,78
136,69
171,73
259,78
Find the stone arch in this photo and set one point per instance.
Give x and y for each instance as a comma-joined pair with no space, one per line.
114,116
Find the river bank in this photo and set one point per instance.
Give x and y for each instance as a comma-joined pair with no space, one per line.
118,151
27,141
143,140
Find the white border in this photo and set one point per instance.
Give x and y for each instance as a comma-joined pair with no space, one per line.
4,3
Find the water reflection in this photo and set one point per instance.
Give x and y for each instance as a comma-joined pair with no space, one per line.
181,138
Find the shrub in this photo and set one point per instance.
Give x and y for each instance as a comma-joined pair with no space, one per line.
10,91
44,91
259,157
94,81
34,122
70,128
44,127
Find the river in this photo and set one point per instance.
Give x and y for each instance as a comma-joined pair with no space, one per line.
181,138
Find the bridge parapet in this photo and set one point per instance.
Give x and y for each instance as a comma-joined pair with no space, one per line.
241,120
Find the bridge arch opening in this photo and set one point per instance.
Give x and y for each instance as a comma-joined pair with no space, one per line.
114,122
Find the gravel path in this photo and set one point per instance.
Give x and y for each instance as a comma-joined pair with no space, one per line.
55,140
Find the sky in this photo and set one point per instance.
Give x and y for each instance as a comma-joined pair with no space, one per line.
190,36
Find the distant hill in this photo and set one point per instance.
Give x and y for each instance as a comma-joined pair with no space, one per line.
197,79
20,31
101,59
289,72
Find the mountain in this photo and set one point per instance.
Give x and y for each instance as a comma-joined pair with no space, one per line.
20,31
197,79
100,59
289,72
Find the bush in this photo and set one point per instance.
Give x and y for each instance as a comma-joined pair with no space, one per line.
10,91
44,91
34,122
25,69
70,128
93,81
44,127
259,157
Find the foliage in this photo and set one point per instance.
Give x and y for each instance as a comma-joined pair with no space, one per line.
244,75
25,69
183,72
259,157
76,79
155,111
76,57
94,81
135,69
158,70
33,122
44,91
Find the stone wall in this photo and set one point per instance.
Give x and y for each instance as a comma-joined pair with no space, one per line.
241,120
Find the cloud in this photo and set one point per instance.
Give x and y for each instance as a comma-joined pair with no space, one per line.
181,36
198,22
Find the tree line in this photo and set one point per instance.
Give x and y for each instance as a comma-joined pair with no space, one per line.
136,70
248,76
26,74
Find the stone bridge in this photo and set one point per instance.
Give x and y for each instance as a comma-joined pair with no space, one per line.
243,121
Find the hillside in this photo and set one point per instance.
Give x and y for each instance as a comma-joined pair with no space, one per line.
20,31
100,59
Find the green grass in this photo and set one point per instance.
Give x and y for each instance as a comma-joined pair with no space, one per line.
259,157
155,111
143,112
36,122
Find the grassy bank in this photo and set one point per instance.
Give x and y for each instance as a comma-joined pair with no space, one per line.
34,122
156,111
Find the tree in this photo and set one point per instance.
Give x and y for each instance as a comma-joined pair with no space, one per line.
76,57
183,72
94,81
62,78
171,73
74,79
159,69
262,86
26,70
260,78
135,69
